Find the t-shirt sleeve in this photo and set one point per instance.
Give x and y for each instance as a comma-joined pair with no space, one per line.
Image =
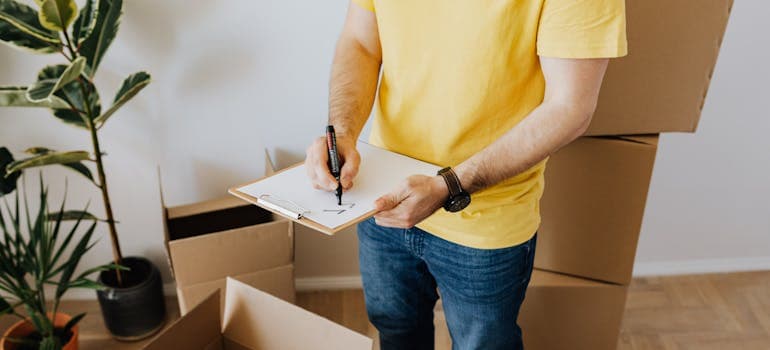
582,29
367,4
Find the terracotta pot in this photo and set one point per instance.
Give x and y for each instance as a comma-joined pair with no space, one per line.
24,328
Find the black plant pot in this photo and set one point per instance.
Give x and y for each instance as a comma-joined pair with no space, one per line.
137,309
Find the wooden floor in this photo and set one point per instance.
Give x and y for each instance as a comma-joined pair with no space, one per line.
719,311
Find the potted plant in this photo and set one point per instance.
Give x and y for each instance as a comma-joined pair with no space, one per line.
132,302
34,263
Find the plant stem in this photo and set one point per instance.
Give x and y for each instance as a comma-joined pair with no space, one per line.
116,253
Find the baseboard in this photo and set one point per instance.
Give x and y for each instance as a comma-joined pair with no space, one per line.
686,267
304,284
169,290
641,269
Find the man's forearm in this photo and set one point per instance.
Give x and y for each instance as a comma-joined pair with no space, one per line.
548,128
352,87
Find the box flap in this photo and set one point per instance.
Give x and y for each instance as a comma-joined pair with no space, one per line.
166,236
269,167
199,329
203,207
261,321
233,252
661,85
278,282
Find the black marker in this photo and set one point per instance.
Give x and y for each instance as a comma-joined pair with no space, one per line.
334,160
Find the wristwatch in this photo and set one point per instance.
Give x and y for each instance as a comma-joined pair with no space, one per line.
458,197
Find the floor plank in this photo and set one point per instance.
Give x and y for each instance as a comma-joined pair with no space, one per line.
703,312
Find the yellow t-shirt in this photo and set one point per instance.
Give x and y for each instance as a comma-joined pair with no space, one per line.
457,75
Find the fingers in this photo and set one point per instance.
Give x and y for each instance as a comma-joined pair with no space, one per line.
349,169
316,159
391,209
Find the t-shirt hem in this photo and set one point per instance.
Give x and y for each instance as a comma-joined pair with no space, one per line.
568,51
479,242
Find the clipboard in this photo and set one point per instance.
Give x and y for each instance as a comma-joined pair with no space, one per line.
289,193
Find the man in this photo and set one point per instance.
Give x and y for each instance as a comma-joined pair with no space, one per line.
488,89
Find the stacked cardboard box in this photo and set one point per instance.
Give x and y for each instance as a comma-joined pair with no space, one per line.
596,187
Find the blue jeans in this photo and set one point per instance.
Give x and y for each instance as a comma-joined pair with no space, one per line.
481,289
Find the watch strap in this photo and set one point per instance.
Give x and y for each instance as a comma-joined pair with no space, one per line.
452,181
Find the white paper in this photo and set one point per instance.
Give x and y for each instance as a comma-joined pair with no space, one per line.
379,173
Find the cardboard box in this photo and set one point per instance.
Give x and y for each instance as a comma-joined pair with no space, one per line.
208,241
562,312
255,320
592,208
661,85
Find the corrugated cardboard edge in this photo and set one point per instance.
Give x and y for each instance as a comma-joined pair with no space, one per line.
277,281
166,235
247,308
200,326
718,48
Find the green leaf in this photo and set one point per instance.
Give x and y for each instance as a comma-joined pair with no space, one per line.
79,167
42,324
16,96
131,86
86,284
47,159
57,15
50,343
86,21
72,322
71,264
71,215
105,30
107,23
107,267
72,92
20,27
42,90
7,180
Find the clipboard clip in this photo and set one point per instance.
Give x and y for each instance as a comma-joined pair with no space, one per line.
285,207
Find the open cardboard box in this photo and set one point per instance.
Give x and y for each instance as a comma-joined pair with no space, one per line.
661,85
254,320
561,312
208,241
593,205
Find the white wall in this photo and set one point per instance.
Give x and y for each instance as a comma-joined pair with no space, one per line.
234,77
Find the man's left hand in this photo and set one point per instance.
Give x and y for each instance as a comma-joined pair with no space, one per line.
412,201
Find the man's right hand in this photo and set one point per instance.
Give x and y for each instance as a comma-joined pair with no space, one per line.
317,158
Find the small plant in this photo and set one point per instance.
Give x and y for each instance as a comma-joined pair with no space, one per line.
33,255
81,38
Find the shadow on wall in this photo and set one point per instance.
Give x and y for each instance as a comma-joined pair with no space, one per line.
283,158
212,180
156,21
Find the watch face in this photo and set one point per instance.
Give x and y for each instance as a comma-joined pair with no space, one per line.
458,202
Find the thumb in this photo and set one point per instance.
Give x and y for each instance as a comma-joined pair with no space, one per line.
386,202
